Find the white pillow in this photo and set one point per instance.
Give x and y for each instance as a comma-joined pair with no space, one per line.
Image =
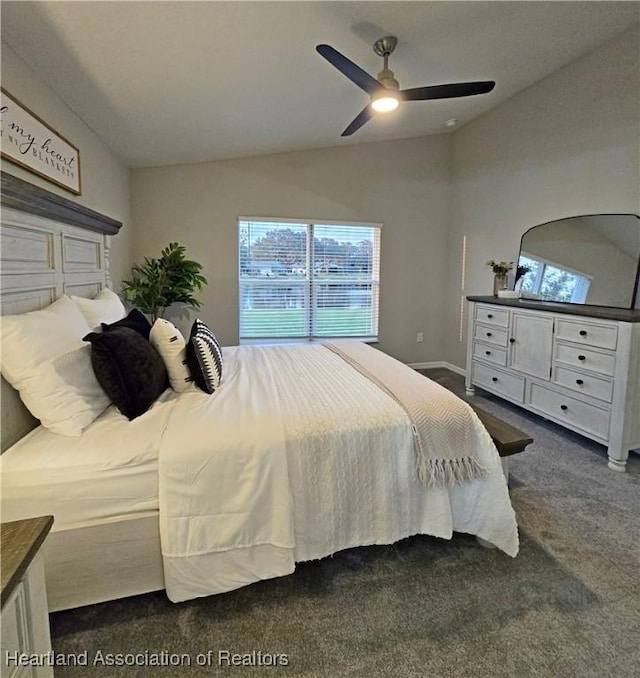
41,358
31,338
170,344
75,398
105,307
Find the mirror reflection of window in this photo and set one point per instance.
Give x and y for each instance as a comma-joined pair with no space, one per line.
551,282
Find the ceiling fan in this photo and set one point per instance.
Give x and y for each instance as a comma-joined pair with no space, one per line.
385,90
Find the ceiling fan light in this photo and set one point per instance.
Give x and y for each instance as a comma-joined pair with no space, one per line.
385,102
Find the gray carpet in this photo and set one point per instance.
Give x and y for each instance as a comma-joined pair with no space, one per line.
568,605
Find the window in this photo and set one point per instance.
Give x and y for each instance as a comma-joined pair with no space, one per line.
303,280
553,282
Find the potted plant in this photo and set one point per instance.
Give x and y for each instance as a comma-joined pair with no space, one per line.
157,283
500,270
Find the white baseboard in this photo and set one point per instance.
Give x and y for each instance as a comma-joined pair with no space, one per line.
438,363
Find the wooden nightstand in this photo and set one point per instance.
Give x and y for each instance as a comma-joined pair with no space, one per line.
25,617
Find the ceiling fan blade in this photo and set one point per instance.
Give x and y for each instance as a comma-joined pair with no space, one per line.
364,116
361,78
460,89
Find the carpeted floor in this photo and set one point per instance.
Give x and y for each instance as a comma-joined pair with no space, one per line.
567,606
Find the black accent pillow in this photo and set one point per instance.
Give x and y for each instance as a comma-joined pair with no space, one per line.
129,369
135,320
204,357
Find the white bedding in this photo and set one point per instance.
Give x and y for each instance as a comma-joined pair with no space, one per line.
108,473
297,456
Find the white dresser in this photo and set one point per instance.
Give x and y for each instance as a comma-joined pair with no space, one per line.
578,366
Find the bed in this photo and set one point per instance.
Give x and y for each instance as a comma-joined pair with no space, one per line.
302,451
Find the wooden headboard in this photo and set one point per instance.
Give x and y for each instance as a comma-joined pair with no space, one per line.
49,246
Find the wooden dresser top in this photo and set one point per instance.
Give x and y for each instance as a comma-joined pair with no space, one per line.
604,312
19,543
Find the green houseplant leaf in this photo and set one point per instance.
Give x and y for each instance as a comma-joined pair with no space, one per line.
155,284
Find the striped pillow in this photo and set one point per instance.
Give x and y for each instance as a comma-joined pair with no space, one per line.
204,357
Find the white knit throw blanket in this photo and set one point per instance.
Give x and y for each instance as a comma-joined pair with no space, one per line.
444,431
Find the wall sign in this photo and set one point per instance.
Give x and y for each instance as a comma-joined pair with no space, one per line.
28,141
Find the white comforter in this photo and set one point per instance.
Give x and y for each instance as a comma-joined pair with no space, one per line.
295,457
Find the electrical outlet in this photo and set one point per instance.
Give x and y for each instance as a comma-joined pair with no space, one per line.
420,337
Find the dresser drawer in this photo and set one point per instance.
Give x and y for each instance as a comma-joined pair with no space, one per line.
492,335
565,409
491,315
498,381
594,387
584,358
589,334
489,353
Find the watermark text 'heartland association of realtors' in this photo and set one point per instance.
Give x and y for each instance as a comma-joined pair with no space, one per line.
146,658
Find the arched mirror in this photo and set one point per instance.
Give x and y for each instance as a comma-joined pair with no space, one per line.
592,259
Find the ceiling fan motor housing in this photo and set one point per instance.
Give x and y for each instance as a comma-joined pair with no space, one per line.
383,47
387,79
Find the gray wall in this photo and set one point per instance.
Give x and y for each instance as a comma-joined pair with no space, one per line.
568,145
403,184
105,179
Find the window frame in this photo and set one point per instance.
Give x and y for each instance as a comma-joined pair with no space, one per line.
311,283
545,263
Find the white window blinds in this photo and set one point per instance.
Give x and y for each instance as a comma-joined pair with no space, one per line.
303,280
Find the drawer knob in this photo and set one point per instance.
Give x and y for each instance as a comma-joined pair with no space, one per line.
512,340
583,333
494,378
488,352
582,357
579,382
489,334
563,407
489,315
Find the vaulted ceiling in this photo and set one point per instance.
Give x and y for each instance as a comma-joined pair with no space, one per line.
180,82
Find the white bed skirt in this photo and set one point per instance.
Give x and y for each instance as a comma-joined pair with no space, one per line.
108,561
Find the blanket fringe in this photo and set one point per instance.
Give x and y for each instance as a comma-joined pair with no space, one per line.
444,472
448,472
